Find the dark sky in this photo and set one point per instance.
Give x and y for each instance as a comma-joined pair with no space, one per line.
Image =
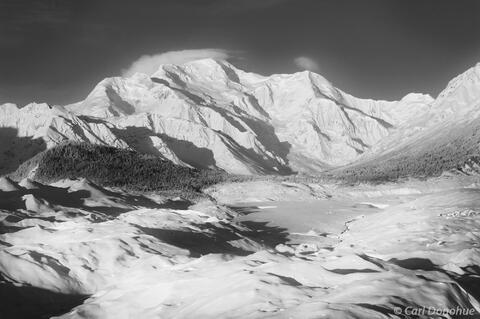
56,50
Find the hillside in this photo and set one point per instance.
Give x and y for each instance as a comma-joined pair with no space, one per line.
446,138
109,166
447,149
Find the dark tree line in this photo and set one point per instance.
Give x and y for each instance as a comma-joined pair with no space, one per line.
109,166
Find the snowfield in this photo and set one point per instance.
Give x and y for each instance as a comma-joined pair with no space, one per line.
351,253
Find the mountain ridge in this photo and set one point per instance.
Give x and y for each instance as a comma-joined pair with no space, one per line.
209,114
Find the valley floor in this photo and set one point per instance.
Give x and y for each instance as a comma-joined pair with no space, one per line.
259,250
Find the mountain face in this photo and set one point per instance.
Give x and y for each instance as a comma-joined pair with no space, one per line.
446,137
208,113
29,130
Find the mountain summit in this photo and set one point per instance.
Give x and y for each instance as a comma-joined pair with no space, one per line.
208,113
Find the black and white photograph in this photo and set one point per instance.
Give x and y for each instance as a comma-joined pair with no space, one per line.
239,159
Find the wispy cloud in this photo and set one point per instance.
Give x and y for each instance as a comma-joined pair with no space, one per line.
148,64
306,63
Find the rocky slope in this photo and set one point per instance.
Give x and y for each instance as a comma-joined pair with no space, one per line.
208,113
29,130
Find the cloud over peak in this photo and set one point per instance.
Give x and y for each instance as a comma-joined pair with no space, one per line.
149,64
306,63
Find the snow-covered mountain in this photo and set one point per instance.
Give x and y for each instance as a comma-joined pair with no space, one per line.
446,135
27,131
208,113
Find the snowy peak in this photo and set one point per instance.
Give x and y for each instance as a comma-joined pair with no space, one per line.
208,113
467,78
206,70
293,120
210,69
461,97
